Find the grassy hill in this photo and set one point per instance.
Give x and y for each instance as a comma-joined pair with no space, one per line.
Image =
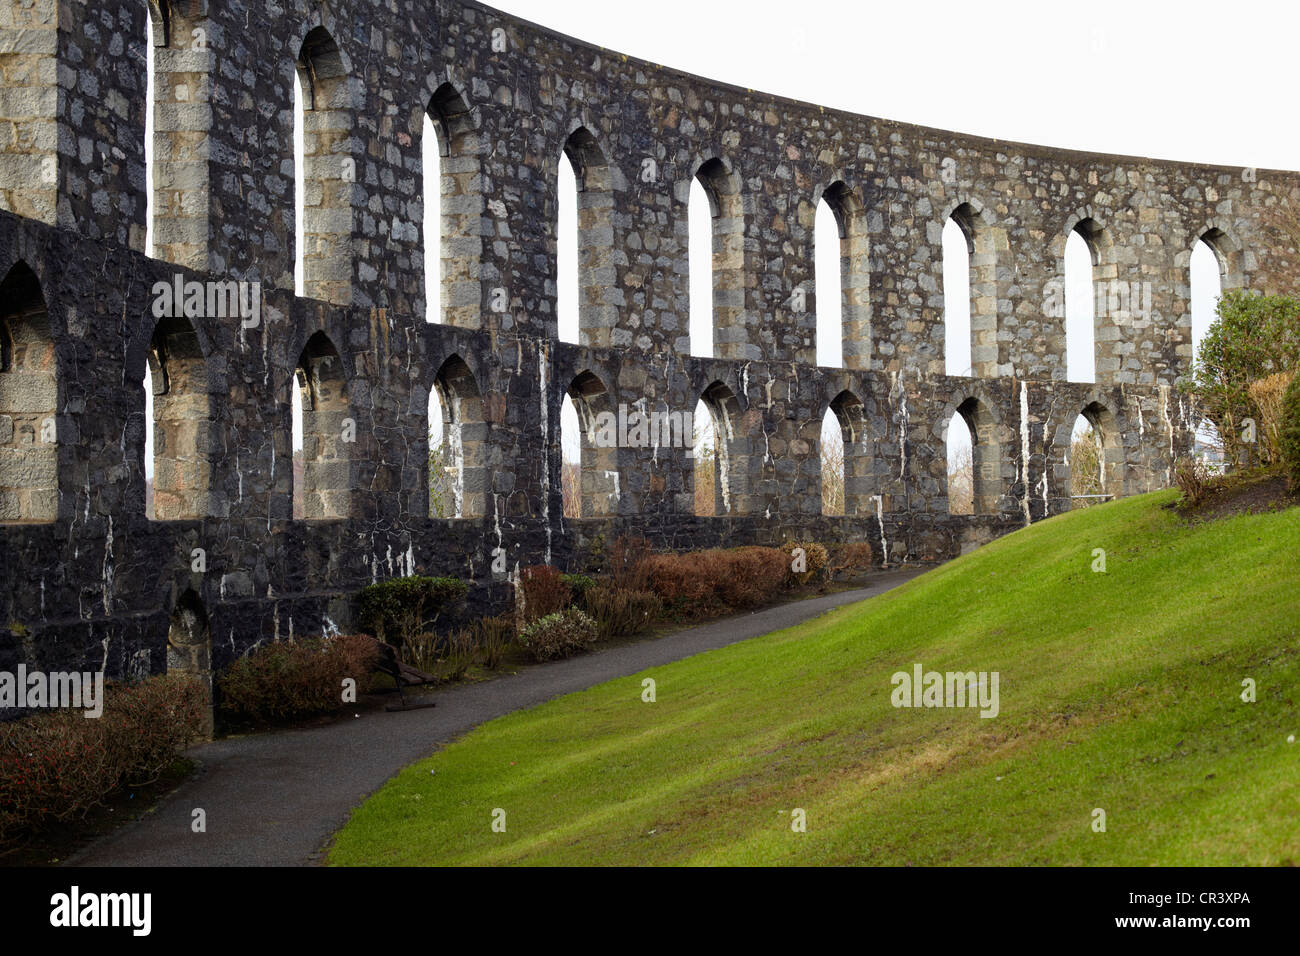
1118,690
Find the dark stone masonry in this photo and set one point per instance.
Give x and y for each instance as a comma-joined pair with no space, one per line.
89,578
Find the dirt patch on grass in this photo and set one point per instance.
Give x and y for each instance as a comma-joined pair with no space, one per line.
1253,492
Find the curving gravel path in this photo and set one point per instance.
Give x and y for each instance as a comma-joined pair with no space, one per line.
276,799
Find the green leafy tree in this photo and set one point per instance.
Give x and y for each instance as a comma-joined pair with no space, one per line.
1254,336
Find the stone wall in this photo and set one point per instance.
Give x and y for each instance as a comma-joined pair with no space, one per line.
88,578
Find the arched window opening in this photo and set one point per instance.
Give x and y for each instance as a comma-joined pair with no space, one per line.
957,251
323,260
846,460
329,434
189,646
1206,275
590,418
566,254
570,459
706,461
148,441
29,488
700,268
829,278
832,464
587,295
431,187
295,411
457,443
299,188
453,211
180,422
1080,305
718,306
842,256
961,467
445,477
974,460
150,105
1095,457
1087,479
720,453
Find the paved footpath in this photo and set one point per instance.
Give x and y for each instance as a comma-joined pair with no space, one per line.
276,799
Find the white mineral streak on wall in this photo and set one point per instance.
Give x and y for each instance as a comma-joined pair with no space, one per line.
880,518
1024,447
543,357
1169,430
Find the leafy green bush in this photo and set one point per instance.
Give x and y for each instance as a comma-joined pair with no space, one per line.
578,585
561,634
1289,440
619,613
288,681
57,766
402,609
1254,336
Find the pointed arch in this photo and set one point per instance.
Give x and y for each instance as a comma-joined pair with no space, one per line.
856,476
184,436
849,284
598,476
723,420
323,481
1110,463
189,645
464,431
29,402
721,187
452,208
986,465
587,296
327,180
178,180
972,291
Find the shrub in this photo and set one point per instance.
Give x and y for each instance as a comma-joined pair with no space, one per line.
561,634
627,570
754,575
544,591
814,561
853,558
493,636
57,766
1193,480
686,583
578,585
292,680
703,583
1289,433
1267,393
619,613
402,609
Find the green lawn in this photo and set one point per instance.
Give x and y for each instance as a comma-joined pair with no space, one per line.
1120,691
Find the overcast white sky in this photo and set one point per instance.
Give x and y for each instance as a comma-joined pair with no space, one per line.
1203,82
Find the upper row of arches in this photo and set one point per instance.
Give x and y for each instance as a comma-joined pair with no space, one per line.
837,328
